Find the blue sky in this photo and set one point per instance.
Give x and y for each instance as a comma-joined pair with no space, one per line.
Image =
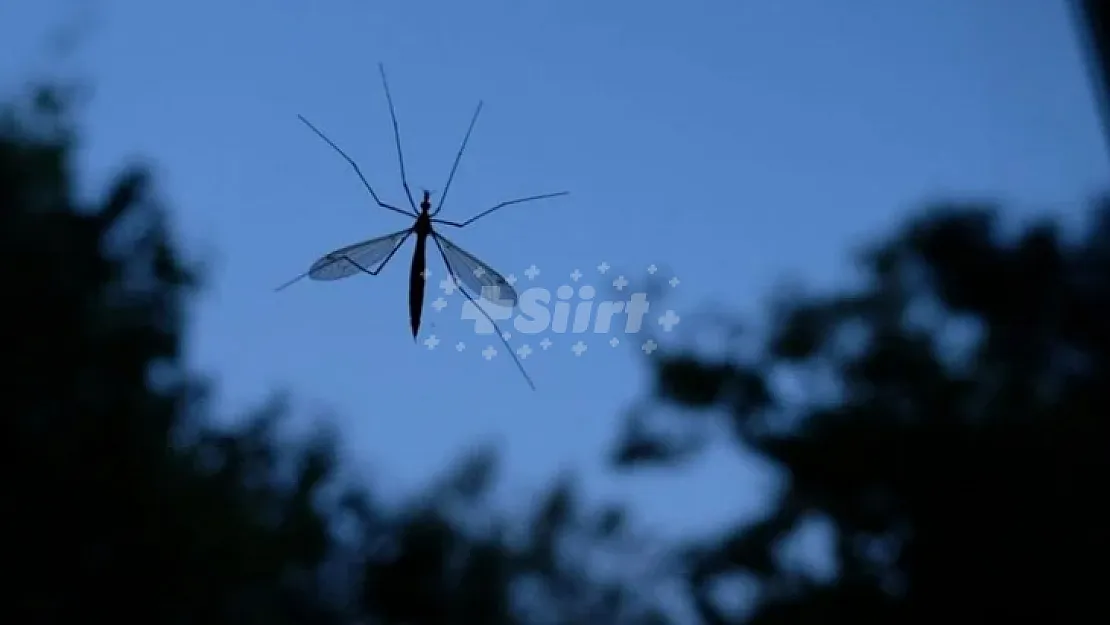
730,143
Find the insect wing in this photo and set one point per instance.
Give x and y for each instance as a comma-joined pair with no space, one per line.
364,257
479,277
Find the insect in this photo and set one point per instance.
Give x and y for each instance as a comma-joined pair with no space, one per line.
371,256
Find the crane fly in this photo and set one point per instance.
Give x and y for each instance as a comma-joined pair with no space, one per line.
371,256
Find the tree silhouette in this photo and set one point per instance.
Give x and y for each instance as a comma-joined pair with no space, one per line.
952,430
1093,25
122,500
125,502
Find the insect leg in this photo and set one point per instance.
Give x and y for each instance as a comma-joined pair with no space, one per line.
457,224
504,342
397,137
358,171
458,157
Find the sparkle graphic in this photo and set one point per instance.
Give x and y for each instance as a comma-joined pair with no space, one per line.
426,273
669,320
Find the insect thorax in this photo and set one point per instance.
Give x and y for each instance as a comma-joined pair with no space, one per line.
423,225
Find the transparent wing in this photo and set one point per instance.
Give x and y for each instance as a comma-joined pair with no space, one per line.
477,276
358,258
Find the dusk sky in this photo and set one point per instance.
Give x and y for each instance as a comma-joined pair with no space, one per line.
731,144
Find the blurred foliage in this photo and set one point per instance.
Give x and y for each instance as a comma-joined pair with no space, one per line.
951,428
126,502
1092,21
953,432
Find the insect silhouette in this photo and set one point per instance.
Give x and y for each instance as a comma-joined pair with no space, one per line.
371,256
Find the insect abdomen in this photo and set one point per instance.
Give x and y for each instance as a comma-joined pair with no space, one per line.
416,285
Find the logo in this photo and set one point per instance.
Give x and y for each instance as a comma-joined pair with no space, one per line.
572,315
537,311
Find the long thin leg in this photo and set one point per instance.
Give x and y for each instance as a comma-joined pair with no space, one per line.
475,218
382,264
354,166
504,342
397,137
458,156
372,272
